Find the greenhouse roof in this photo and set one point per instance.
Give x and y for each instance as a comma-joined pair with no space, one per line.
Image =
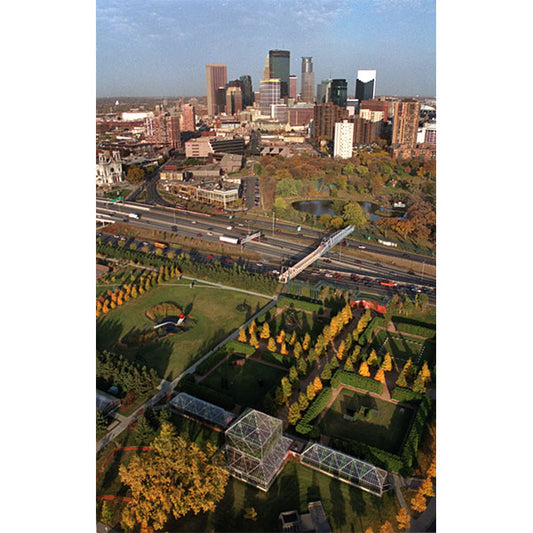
202,409
349,469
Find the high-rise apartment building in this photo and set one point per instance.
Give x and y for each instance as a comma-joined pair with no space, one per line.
269,94
164,129
308,81
293,86
279,67
189,117
365,85
376,105
364,131
343,142
324,118
405,123
216,76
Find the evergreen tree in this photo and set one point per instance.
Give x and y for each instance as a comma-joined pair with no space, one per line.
348,366
101,423
326,373
286,388
402,381
302,366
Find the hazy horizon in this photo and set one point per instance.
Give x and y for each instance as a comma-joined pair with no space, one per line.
160,48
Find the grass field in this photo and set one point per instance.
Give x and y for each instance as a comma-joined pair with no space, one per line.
385,430
347,508
213,311
246,384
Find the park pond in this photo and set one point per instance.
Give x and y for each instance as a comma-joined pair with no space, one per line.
325,207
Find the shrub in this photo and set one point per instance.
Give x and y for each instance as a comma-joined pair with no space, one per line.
318,405
342,377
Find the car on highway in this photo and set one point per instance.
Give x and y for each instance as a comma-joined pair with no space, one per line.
229,228
228,259
362,247
193,221
327,260
357,262
174,228
209,256
210,233
275,271
198,234
354,277
259,264
278,230
328,275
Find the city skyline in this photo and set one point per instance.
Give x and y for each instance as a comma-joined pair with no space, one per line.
162,49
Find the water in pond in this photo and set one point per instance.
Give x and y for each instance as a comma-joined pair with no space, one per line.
325,207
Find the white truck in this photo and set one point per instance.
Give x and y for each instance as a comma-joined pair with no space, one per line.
134,215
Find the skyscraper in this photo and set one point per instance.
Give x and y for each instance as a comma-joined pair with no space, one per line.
405,123
338,92
308,81
247,91
293,86
268,94
216,76
279,67
365,85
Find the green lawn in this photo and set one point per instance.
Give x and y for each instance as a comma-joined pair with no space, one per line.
385,430
246,384
212,310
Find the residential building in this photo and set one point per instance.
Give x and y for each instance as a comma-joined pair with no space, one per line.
343,141
216,76
364,131
164,129
365,85
405,123
300,114
324,118
308,81
376,105
279,112
279,67
189,117
373,116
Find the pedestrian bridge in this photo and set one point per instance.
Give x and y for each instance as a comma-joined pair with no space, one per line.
326,245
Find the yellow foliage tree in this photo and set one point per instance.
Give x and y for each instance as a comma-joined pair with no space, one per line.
418,502
386,528
283,350
372,358
174,478
363,369
387,363
341,351
427,488
317,384
380,375
293,339
432,470
281,337
271,346
265,331
242,336
426,372
252,328
404,519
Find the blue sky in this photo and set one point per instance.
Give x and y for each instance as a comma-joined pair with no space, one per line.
161,47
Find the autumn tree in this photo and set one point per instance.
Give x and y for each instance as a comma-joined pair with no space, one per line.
250,514
387,363
402,381
346,314
363,369
283,350
303,401
348,366
418,385
372,358
294,414
432,469
404,519
418,502
254,341
317,384
427,488
310,392
265,331
386,528
426,372
306,342
286,388
341,351
252,328
281,337
298,350
292,340
380,375
293,374
242,336
135,174
271,346
174,478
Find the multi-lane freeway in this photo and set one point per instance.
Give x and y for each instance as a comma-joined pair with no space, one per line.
281,244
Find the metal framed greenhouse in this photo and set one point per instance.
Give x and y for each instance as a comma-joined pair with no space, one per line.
346,468
256,448
202,409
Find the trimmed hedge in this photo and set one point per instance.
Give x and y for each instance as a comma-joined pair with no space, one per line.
402,394
412,441
299,304
239,347
367,333
278,359
318,405
342,377
426,330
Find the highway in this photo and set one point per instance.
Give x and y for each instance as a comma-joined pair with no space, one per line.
280,245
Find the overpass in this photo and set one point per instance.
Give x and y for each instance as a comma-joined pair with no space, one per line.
324,247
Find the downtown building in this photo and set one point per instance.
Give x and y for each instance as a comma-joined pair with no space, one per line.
405,123
216,77
279,67
269,95
164,129
365,85
307,94
335,91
